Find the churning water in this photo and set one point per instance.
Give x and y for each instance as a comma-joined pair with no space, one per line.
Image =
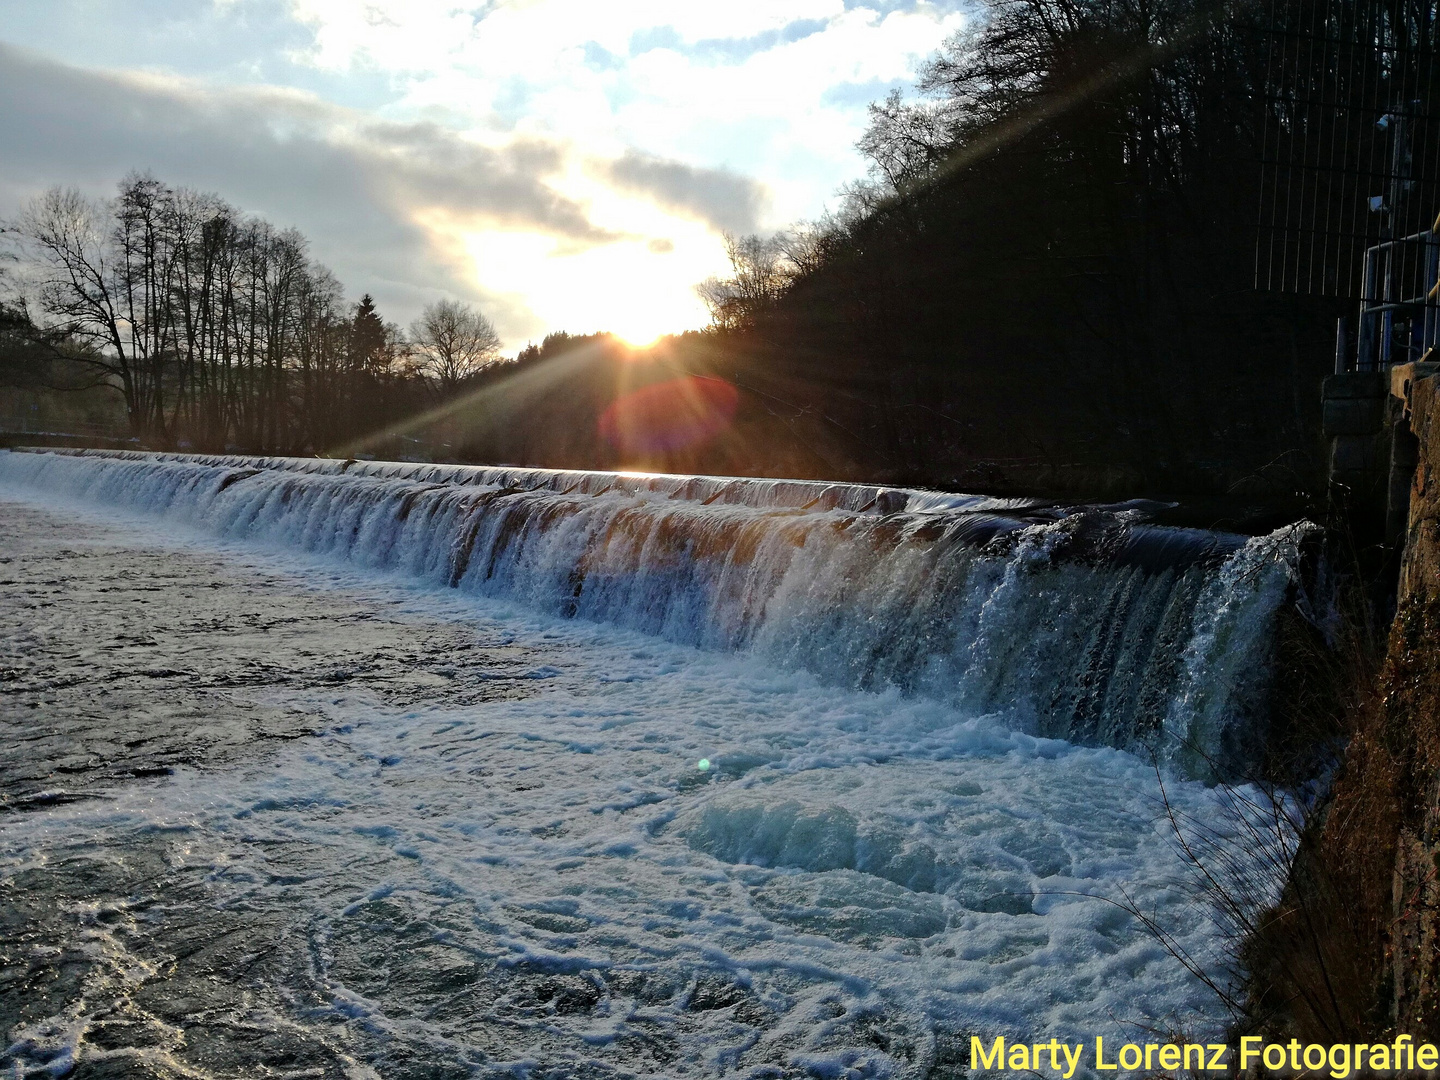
419,788
1085,624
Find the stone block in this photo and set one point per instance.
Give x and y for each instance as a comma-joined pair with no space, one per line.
1357,384
1358,454
1403,375
1353,416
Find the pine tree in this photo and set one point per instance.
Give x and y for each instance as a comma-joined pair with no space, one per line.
368,339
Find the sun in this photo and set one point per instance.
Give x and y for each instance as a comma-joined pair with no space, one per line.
640,333
621,287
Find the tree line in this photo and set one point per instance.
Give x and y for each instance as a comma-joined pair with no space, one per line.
1052,259
216,328
1046,280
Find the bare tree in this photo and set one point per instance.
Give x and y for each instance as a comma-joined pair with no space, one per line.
904,142
65,237
454,342
760,272
217,327
806,245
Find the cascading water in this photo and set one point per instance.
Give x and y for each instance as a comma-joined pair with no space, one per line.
1087,624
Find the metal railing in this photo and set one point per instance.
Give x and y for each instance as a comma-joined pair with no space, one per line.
1399,317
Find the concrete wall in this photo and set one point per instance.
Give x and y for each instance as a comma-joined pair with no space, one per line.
1372,461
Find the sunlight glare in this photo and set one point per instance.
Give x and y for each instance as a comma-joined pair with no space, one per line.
640,285
621,286
640,335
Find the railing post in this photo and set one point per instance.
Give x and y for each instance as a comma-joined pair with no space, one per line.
1365,351
1387,317
1342,345
1431,284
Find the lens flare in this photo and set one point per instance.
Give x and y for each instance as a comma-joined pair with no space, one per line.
672,415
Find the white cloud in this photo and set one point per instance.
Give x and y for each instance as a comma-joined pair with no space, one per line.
746,84
525,35
570,163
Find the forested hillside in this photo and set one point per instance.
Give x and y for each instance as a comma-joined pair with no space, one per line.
1047,282
1053,261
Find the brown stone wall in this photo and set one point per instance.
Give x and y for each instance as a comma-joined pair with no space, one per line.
1353,950
1410,702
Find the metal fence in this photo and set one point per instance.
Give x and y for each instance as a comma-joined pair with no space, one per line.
1350,181
1399,316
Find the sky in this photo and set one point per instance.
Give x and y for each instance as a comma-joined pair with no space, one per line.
561,164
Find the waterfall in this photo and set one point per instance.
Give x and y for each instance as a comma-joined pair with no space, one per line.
1082,623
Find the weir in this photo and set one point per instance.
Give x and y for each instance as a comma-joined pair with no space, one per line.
1084,623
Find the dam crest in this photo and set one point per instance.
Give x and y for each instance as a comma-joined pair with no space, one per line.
1085,623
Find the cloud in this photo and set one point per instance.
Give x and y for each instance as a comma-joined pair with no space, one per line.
567,164
724,50
413,35
356,186
741,85
719,197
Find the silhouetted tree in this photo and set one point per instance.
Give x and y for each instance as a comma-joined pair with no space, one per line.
369,340
216,328
65,238
760,272
454,342
1051,261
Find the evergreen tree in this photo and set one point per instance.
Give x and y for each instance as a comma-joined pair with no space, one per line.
369,339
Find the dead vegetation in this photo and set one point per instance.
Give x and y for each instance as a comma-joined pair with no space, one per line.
1340,958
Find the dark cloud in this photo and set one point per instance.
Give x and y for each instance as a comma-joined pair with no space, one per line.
719,197
351,184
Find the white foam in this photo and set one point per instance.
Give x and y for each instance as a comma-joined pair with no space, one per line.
848,855
1059,621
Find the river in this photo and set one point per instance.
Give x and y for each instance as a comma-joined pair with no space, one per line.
277,803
